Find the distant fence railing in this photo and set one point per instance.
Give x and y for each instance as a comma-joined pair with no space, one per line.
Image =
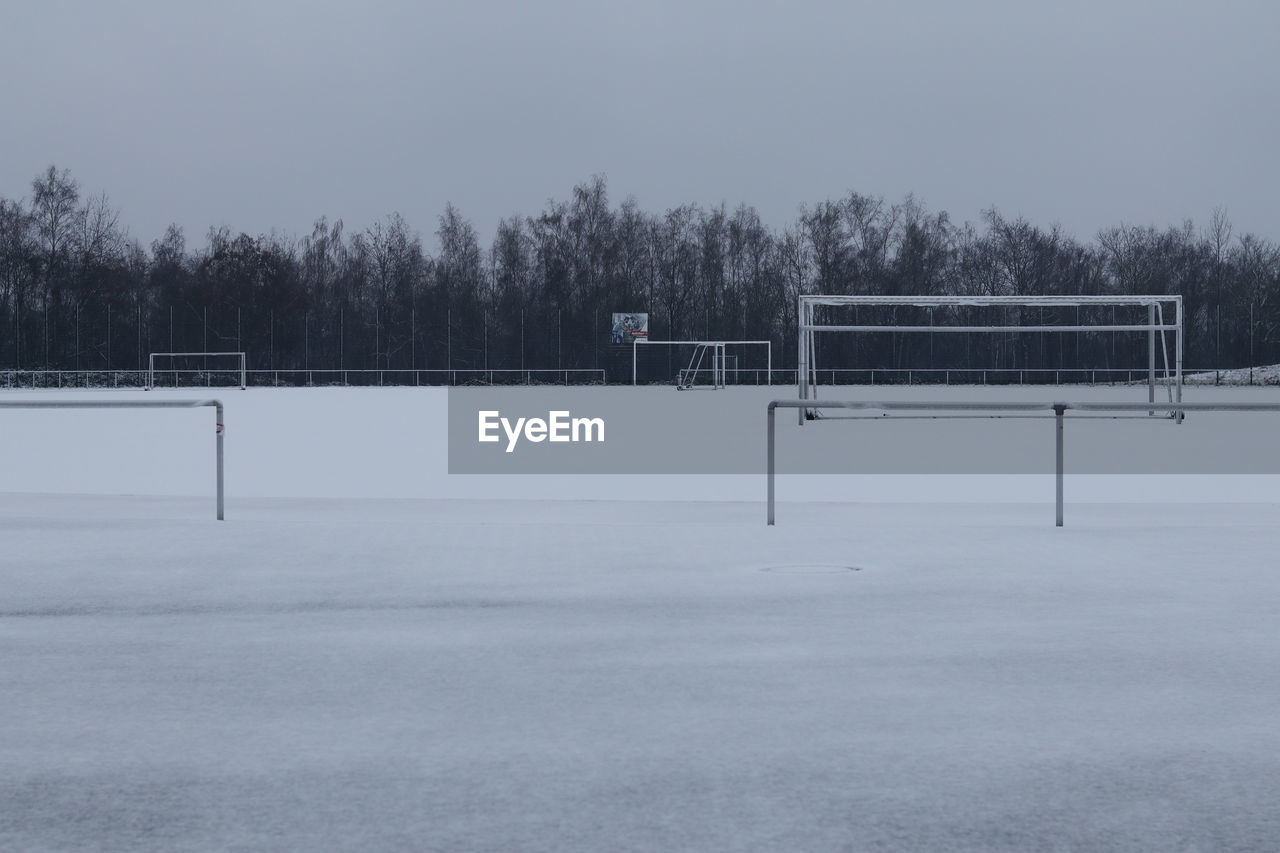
193,378
1005,376
993,376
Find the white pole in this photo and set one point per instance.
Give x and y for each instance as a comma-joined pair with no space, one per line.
220,428
1179,355
770,463
802,361
1151,354
1058,412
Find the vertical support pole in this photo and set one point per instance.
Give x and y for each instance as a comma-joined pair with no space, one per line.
813,361
220,428
634,344
1058,411
769,465
802,355
1178,338
1151,355
768,379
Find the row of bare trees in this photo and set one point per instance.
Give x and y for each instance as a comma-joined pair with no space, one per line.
78,292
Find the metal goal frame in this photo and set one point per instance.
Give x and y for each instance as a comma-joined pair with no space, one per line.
946,409
807,370
717,349
151,364
219,420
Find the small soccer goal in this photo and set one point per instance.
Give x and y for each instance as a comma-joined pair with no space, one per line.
196,369
691,365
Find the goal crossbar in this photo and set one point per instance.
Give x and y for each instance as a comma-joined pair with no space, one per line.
981,301
219,419
1156,326
954,408
1134,327
151,364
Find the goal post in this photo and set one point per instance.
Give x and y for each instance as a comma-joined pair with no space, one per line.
709,358
219,420
1157,326
942,410
151,365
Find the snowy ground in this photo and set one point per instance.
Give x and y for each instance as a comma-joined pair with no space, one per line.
1268,374
456,670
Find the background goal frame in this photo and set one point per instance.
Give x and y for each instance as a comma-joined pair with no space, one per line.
718,348
151,364
807,370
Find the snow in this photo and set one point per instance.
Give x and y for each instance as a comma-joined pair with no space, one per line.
434,663
1265,375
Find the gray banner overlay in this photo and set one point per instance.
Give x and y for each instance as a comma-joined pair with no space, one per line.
659,430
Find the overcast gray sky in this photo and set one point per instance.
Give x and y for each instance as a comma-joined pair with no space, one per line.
268,114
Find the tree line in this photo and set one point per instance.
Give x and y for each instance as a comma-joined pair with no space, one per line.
78,292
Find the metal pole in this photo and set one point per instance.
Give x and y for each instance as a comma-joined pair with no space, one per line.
802,366
1151,355
770,463
219,430
1179,345
1058,411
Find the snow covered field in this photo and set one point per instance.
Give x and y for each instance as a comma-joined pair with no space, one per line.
371,655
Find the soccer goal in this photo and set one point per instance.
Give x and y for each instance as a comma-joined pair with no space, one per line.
829,313
183,364
216,405
708,364
947,409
